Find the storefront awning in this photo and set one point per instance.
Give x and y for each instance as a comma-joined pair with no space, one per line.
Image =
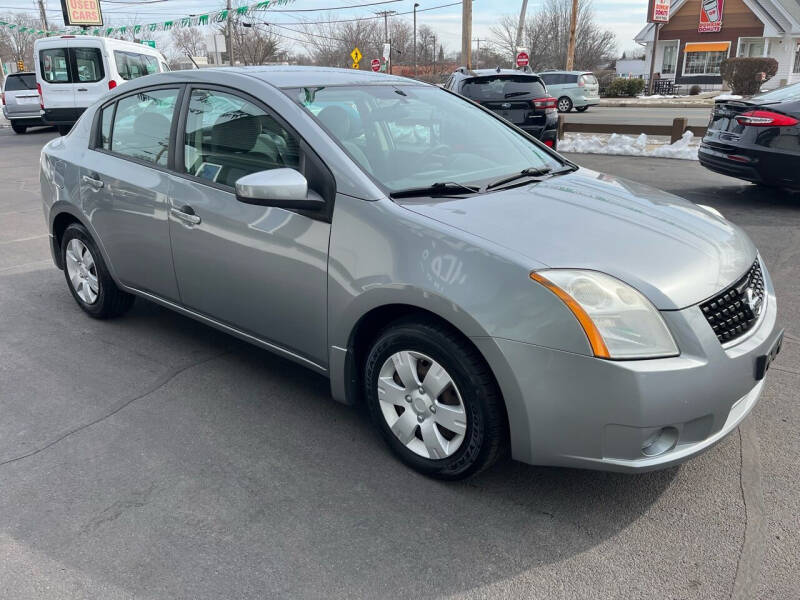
708,47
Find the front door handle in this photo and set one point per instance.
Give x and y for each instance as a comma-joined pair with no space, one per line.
186,214
83,90
93,182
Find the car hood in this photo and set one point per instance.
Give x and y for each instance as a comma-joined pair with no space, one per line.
673,251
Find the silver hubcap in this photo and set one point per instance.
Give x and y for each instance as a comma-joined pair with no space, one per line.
422,405
563,105
82,271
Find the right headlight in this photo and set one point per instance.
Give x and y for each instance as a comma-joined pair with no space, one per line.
618,320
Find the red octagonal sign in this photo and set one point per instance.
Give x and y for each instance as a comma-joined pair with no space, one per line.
522,59
376,65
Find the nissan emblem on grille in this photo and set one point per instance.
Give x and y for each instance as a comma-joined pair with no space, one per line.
734,311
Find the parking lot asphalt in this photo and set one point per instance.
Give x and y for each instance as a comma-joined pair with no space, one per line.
154,457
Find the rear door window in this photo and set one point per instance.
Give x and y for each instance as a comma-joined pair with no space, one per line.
142,124
131,65
88,64
16,83
503,87
54,65
570,79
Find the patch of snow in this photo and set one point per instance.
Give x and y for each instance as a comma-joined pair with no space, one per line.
727,97
629,146
660,97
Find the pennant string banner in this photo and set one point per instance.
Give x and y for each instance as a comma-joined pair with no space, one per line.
192,21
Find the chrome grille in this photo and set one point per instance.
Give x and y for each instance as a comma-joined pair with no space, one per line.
734,311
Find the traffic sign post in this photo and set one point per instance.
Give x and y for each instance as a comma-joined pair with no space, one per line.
356,56
522,59
375,64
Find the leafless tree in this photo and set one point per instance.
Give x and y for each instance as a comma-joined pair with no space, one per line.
546,35
15,44
189,40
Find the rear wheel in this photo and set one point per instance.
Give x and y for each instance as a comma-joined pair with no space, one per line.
434,400
88,278
19,128
582,108
564,104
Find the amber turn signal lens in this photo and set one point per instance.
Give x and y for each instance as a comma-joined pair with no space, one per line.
595,339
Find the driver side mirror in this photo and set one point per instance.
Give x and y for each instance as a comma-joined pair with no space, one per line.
282,188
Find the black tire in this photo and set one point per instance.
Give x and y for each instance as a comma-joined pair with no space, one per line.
63,129
564,104
485,439
19,128
111,301
582,108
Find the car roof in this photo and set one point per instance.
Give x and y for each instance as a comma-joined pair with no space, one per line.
566,72
280,76
55,40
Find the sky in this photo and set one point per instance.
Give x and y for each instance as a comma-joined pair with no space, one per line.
624,17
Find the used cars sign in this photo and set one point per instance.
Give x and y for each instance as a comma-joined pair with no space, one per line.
82,12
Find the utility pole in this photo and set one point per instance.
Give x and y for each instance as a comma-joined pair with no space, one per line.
386,14
466,33
416,4
43,14
229,34
573,25
478,54
521,25
651,83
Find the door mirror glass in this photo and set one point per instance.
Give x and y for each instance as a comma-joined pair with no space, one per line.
284,188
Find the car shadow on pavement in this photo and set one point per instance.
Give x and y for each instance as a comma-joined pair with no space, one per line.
211,468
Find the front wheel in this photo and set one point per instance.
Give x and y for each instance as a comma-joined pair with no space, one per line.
19,128
564,104
582,108
88,278
434,400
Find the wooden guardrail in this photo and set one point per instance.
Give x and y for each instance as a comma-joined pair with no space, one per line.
674,132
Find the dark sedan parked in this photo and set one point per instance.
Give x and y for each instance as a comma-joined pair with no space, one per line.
518,96
757,139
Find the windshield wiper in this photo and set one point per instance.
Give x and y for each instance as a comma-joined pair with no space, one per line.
440,188
526,173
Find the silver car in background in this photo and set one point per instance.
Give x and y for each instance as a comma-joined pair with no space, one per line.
21,102
476,292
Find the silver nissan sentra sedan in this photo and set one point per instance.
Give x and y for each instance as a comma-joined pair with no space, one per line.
478,292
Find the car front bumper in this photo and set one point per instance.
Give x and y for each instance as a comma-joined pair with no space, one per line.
574,410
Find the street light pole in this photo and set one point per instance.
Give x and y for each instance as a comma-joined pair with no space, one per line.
521,25
43,13
416,4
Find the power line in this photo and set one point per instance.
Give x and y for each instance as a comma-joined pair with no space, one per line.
372,17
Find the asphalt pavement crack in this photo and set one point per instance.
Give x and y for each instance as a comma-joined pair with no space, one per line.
158,383
751,555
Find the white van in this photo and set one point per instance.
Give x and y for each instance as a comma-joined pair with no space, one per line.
72,72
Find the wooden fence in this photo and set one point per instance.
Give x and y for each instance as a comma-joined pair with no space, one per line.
674,132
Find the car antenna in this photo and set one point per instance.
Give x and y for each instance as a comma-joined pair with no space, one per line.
498,68
191,59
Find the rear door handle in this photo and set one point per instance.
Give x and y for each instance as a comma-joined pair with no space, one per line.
83,90
186,214
94,182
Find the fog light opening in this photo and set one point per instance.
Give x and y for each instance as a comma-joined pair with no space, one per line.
660,442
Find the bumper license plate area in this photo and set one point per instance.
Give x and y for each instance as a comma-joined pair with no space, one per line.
763,362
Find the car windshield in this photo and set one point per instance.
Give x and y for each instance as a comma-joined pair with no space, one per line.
408,136
784,94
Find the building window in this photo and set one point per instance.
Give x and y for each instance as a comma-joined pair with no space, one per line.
669,59
703,63
752,47
797,59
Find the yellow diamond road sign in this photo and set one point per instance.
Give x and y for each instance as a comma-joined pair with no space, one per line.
355,66
356,55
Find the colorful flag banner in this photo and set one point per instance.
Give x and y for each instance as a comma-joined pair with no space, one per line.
190,21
